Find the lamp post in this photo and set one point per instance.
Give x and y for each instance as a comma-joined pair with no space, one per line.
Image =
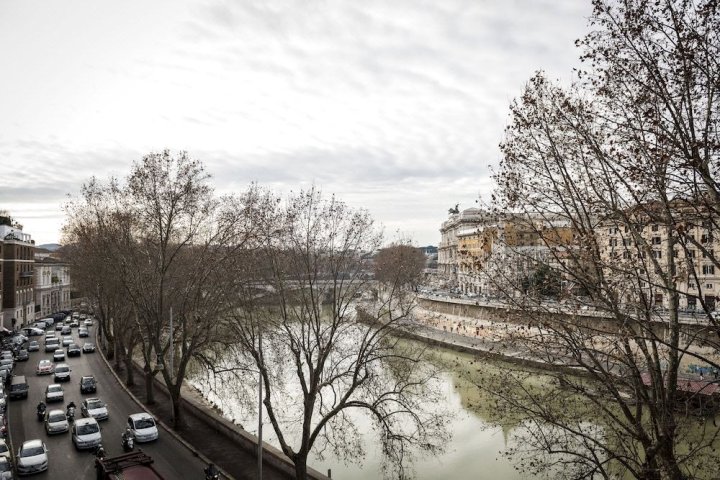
260,389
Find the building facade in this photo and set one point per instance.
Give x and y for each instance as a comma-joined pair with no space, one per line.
484,253
639,246
18,299
52,285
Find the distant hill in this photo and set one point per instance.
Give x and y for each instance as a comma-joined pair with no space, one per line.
49,246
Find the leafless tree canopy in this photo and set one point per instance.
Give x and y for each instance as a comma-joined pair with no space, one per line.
626,158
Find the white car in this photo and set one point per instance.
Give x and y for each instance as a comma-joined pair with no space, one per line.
54,393
56,422
67,340
95,408
6,472
32,457
86,433
59,355
4,450
143,427
88,322
83,332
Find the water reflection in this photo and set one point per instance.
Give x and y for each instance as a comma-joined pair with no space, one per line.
473,452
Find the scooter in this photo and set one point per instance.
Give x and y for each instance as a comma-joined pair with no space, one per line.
100,451
71,414
211,473
128,442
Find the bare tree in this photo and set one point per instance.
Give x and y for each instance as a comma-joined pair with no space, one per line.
401,263
627,159
324,352
167,254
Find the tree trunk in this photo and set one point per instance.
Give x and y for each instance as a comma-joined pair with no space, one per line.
300,461
130,371
178,420
149,391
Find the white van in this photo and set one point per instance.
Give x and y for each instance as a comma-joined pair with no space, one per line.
86,433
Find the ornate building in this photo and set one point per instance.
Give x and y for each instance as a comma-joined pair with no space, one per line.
52,285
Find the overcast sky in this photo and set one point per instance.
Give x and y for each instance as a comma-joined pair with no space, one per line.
394,105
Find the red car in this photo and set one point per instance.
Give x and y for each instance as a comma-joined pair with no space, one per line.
45,367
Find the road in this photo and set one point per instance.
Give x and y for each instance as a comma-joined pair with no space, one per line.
172,459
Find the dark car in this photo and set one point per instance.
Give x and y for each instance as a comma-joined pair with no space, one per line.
73,350
22,356
88,384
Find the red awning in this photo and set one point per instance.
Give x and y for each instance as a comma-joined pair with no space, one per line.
692,385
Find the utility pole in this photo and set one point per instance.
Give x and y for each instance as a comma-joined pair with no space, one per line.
172,346
260,389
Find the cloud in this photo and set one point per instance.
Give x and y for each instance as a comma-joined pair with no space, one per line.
395,104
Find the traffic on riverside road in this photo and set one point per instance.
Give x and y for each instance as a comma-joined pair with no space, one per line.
64,411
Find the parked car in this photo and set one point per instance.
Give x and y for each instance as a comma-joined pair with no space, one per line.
22,356
45,367
54,393
83,332
143,427
88,384
32,457
62,372
33,331
86,433
73,350
33,346
19,387
88,347
3,426
59,355
4,450
6,472
95,408
56,422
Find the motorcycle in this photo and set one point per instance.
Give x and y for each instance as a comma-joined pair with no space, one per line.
71,414
211,473
100,451
128,442
41,412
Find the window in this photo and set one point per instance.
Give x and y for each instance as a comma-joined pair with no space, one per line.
706,237
657,254
654,228
709,286
626,255
691,254
656,240
659,298
709,253
708,269
613,242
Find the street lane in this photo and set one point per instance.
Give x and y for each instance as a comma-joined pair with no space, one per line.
172,459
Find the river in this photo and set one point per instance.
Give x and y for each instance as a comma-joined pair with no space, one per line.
480,434
473,451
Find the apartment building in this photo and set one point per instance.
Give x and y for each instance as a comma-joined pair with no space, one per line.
17,258
631,246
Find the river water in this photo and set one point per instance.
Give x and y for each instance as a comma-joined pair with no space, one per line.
473,451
